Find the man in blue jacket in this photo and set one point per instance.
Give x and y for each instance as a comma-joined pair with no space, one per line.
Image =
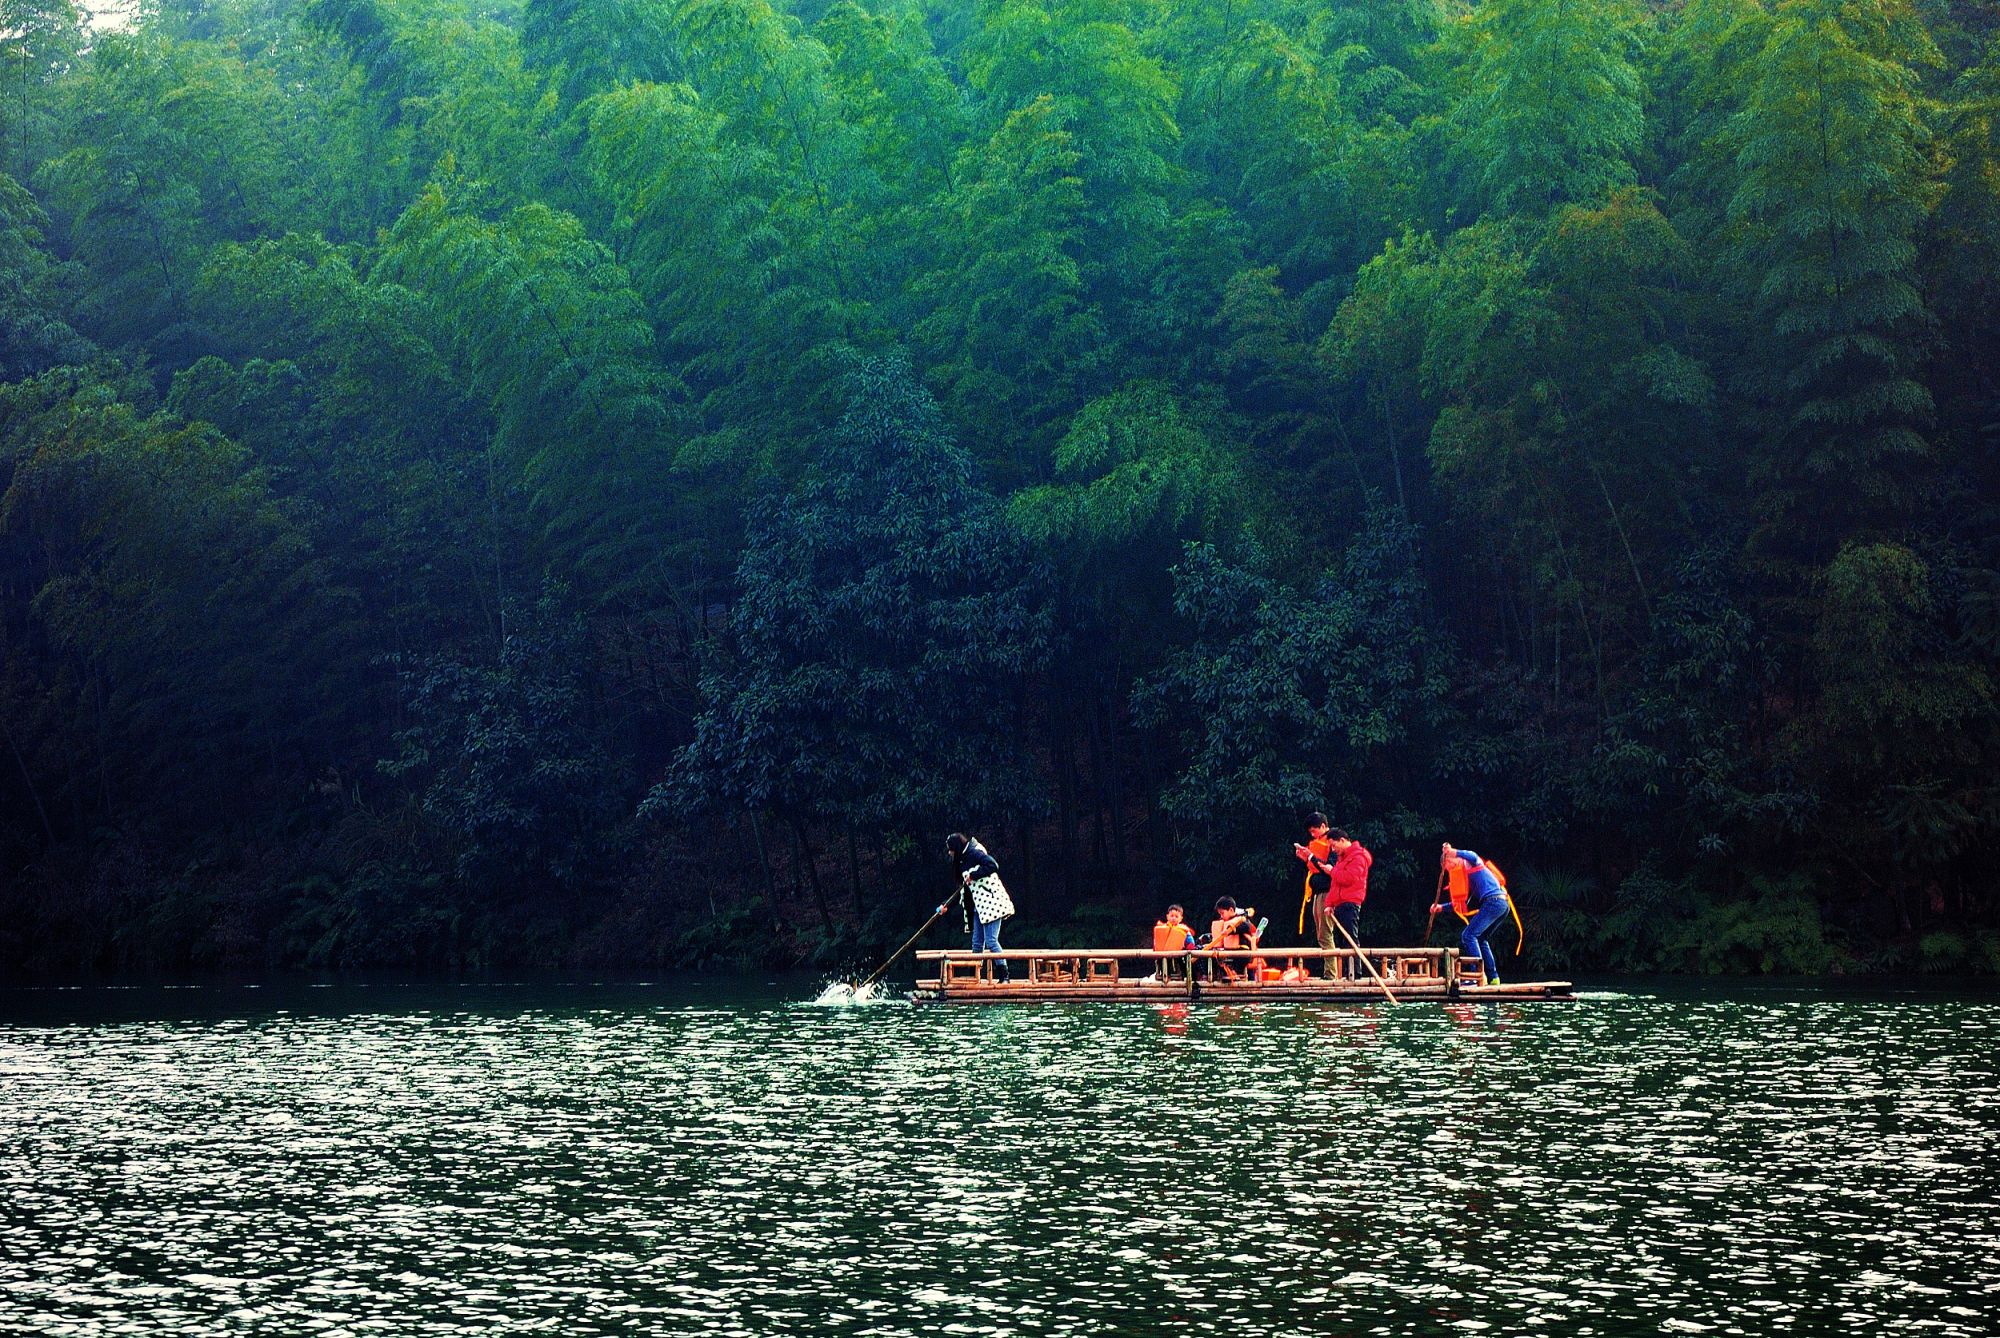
1485,904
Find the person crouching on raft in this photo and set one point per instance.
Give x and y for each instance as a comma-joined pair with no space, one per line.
1486,904
982,896
1232,931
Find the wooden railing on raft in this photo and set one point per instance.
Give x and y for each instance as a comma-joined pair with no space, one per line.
1280,966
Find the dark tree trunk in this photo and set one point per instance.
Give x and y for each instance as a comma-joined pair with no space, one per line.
28,780
764,861
1114,782
1024,851
1156,821
854,869
1063,760
1101,844
811,862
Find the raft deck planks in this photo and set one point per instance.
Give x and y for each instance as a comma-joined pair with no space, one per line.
1085,975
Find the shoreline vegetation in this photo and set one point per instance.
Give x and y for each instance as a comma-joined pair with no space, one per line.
507,484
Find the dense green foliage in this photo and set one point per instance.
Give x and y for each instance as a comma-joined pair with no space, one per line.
542,481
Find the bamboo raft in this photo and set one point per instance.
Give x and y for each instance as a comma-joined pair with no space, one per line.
1092,975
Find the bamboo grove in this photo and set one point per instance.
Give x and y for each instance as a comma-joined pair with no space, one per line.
614,481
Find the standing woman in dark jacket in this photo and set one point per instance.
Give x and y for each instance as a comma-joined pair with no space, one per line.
982,895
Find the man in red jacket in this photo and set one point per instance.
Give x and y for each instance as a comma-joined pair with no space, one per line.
1342,901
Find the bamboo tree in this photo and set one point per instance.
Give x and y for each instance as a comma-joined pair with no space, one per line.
1832,185
1552,109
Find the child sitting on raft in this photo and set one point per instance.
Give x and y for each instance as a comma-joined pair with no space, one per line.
1172,935
1233,930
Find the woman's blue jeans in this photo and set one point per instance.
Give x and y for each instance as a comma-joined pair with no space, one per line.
1473,941
986,936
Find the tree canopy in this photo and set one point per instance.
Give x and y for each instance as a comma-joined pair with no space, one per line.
563,480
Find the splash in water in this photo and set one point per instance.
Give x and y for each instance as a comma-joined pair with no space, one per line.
846,994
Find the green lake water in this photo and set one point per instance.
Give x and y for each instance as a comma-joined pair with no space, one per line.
729,1158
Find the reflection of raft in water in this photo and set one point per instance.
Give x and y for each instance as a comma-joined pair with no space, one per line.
1272,975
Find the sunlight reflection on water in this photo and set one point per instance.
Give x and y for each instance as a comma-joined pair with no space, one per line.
563,1160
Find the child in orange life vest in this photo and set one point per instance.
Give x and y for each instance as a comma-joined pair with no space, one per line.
1486,904
1232,931
1172,935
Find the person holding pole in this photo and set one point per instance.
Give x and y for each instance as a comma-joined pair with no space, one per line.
1341,930
1481,898
1349,890
1336,886
982,894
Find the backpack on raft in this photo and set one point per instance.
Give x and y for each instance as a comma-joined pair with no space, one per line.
1459,880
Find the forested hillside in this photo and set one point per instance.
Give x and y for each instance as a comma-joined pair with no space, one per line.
616,481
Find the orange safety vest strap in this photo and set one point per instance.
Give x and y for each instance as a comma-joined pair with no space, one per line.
1520,934
1323,849
1460,881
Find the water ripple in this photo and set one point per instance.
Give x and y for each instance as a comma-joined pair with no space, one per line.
581,1162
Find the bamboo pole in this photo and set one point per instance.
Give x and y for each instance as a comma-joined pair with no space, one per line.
1364,957
936,954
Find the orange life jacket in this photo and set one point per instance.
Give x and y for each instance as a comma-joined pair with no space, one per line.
1221,935
1320,847
1459,879
1170,938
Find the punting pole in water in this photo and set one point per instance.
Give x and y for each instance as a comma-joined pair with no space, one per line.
1364,957
861,985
